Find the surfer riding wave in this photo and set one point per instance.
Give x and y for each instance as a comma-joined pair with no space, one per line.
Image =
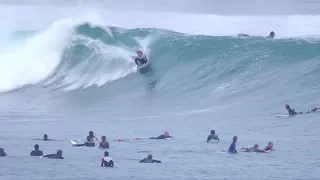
141,59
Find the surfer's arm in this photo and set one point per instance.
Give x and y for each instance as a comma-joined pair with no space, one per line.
136,61
142,161
156,161
208,139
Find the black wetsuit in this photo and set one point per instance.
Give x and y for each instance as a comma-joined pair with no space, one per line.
141,60
53,156
36,153
107,162
88,144
104,145
213,137
3,154
146,160
292,112
161,137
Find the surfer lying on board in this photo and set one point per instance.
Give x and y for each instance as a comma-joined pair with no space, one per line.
269,147
89,143
163,136
55,156
252,149
141,59
271,35
149,159
213,136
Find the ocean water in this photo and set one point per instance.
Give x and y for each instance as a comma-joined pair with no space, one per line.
71,70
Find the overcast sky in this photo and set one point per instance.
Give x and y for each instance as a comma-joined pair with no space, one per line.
192,6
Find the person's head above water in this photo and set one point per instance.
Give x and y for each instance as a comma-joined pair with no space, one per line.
166,133
1,150
91,133
106,153
272,34
45,137
235,138
213,132
36,147
103,138
59,152
256,146
149,156
270,144
139,53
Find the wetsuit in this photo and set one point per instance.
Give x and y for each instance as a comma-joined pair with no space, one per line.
36,153
146,160
104,145
268,148
141,60
250,149
53,156
315,109
161,137
3,154
88,144
292,112
213,137
232,148
107,162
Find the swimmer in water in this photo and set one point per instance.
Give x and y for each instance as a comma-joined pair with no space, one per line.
36,151
149,159
2,153
106,160
291,111
163,136
213,136
269,147
92,137
253,149
89,143
104,144
55,156
45,138
232,148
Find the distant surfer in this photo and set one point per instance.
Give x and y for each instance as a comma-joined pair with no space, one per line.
141,59
232,148
36,151
2,153
45,138
104,144
269,147
243,35
106,160
213,136
271,35
55,156
291,111
92,137
89,143
315,109
165,135
149,159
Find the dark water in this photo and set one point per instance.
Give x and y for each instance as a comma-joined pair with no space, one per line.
194,84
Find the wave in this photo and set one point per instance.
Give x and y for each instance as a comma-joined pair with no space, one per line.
72,55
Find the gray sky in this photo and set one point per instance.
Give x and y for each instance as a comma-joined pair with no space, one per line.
268,7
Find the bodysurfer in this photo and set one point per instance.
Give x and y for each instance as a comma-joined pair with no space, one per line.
163,136
213,136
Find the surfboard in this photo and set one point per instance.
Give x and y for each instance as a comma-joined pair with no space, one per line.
73,142
283,115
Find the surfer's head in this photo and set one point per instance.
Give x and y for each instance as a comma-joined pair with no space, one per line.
272,34
213,132
36,147
270,144
45,137
235,138
103,138
166,133
1,150
106,154
59,152
288,107
256,146
149,156
90,133
139,53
